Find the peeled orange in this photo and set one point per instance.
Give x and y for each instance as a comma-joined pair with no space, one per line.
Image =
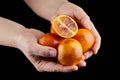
69,52
86,38
65,26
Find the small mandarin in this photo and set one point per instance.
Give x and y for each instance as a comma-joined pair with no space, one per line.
69,52
50,39
86,38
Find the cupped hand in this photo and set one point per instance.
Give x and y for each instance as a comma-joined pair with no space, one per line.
83,20
42,57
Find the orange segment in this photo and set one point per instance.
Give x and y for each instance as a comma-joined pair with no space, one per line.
65,26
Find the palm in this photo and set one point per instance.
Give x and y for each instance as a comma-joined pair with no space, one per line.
65,9
35,54
82,19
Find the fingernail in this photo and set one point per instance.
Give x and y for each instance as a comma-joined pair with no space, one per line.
88,55
52,53
76,68
95,52
84,63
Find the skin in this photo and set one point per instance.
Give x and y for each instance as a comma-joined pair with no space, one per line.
18,36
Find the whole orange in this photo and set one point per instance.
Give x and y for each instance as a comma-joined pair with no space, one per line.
86,38
50,39
69,52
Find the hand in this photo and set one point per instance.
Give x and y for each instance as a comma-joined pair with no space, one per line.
42,57
83,19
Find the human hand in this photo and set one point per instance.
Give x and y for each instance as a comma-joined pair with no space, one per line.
83,20
42,57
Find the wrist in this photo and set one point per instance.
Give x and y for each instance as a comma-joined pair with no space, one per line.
56,13
53,10
45,8
20,37
9,32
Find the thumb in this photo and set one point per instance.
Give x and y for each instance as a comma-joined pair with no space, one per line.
44,51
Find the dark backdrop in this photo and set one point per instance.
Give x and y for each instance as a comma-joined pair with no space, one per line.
103,65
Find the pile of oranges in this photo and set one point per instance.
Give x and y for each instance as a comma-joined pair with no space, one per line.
70,40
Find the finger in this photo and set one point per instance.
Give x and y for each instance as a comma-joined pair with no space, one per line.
97,44
81,17
36,32
55,67
97,38
88,54
82,63
83,57
47,51
84,20
43,51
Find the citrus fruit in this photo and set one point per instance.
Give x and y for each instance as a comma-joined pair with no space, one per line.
86,38
50,39
69,51
65,26
52,30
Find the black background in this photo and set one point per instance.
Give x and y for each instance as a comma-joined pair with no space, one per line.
103,65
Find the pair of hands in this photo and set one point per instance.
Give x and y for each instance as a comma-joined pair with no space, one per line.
40,55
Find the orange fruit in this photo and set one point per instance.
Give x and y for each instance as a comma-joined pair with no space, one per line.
69,51
50,39
65,26
86,38
52,30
